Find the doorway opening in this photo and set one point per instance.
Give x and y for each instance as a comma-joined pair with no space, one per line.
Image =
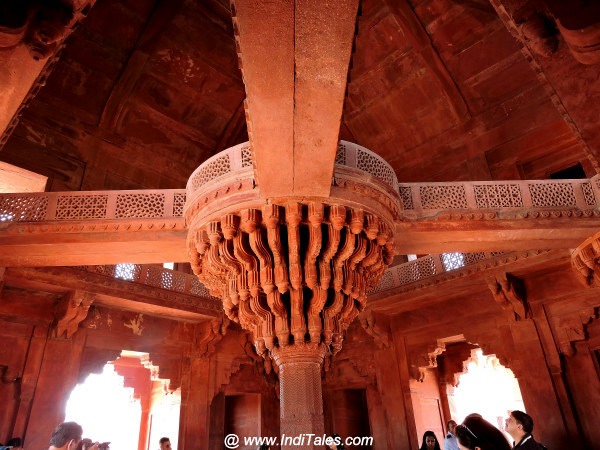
127,405
106,409
485,387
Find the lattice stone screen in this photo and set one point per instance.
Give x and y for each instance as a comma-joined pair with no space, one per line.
140,207
23,208
498,196
443,197
552,194
82,207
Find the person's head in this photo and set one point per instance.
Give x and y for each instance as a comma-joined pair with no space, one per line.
264,447
335,442
430,442
451,425
518,424
15,443
165,443
476,433
66,436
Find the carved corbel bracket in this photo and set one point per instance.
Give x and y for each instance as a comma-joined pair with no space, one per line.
572,328
208,334
377,326
41,25
70,312
509,292
423,358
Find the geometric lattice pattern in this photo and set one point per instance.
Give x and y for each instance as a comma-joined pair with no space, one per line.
340,156
452,261
375,166
498,196
472,258
406,196
128,272
153,276
552,194
588,194
212,170
140,206
416,270
197,288
159,277
246,157
178,204
387,282
74,207
23,208
443,197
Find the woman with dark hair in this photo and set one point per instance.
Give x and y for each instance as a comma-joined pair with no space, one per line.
430,442
476,433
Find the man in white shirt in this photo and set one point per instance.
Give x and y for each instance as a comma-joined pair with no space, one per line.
450,442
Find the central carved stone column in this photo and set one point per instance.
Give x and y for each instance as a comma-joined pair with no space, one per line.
293,272
301,404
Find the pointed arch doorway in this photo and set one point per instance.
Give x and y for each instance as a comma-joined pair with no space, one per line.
486,387
126,405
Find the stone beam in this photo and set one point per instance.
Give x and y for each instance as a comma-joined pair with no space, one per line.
36,245
144,298
111,227
294,58
491,235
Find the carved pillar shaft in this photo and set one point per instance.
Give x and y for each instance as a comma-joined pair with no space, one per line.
301,406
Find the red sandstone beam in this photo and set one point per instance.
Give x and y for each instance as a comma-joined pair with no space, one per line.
116,293
294,58
442,235
36,245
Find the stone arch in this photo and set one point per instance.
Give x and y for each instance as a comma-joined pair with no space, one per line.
425,356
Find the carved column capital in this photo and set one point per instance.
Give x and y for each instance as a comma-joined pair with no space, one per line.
300,353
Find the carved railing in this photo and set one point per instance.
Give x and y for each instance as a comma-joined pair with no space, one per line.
424,199
92,205
419,200
429,266
237,160
353,155
154,276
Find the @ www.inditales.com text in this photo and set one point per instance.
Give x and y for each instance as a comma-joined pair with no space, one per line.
233,441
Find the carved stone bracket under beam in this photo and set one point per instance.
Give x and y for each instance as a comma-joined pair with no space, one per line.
509,292
71,310
377,326
572,328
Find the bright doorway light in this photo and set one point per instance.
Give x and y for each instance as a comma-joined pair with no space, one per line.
487,388
107,411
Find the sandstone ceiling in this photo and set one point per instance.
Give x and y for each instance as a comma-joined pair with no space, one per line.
146,90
